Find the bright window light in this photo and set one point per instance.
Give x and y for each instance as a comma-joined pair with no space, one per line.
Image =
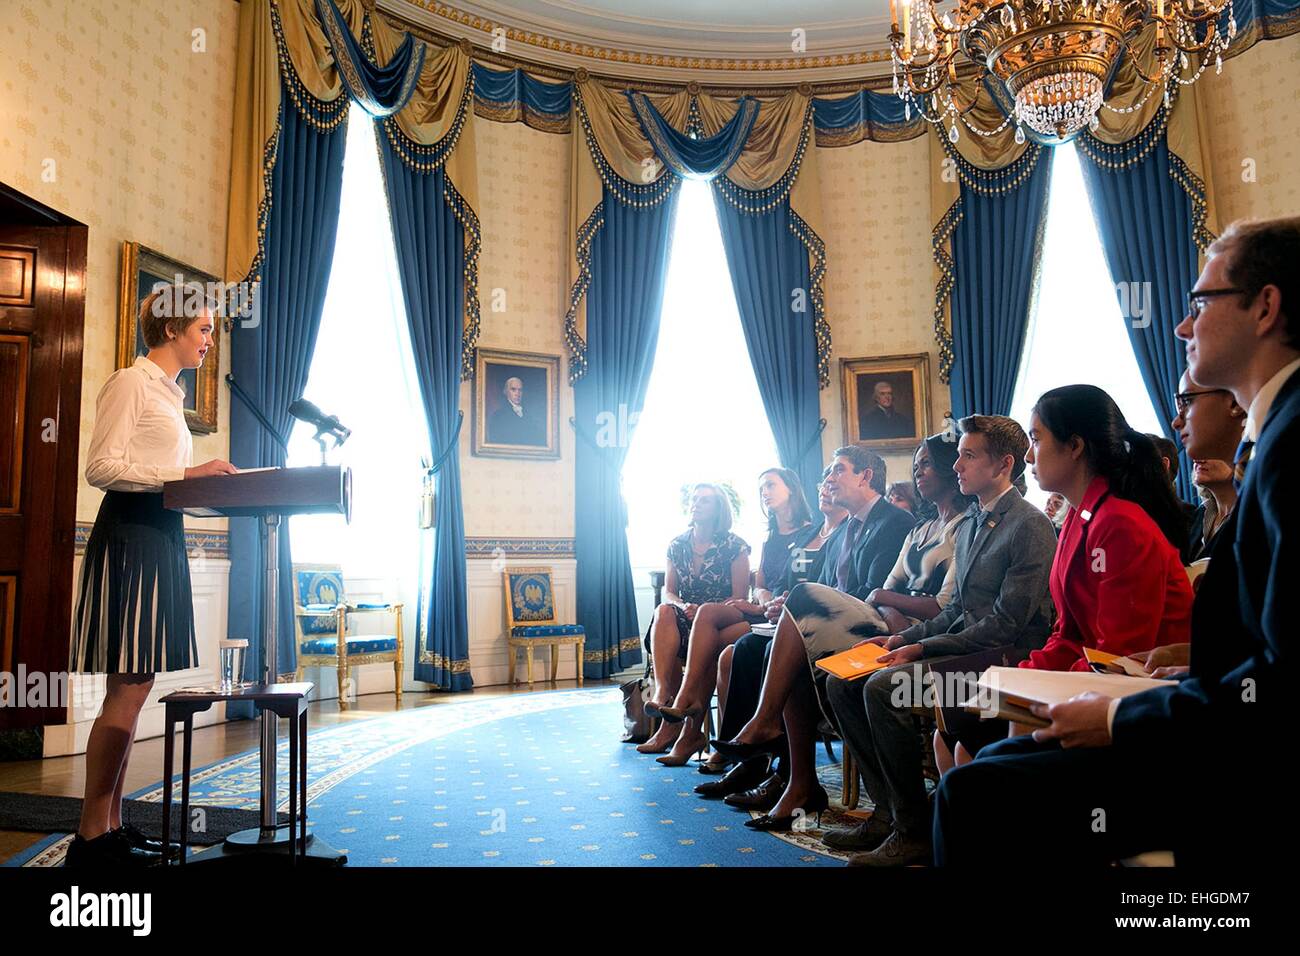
1077,332
362,372
703,417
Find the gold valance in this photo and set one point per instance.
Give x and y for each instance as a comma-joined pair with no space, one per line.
284,42
610,150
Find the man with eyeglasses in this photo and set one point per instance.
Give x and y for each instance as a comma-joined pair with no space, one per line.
1156,762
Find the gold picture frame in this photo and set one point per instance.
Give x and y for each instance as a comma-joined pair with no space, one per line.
901,417
142,269
499,431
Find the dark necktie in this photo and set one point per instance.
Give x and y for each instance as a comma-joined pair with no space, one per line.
845,566
976,523
1239,463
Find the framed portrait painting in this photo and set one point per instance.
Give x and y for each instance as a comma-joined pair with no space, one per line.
143,270
516,407
886,400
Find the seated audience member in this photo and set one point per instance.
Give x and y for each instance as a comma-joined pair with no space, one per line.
923,578
1032,800
1117,579
740,676
1055,509
716,626
706,563
1003,558
1168,452
1209,423
820,619
902,494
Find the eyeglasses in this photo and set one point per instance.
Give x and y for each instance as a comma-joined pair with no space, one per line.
1196,299
1183,399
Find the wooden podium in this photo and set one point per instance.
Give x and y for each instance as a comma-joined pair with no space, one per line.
269,494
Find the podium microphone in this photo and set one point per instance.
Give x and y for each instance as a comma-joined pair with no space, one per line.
308,412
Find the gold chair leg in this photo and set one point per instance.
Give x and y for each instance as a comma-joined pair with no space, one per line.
579,646
512,653
555,661
529,651
342,668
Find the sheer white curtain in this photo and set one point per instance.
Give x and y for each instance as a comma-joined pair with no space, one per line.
703,418
1076,332
362,372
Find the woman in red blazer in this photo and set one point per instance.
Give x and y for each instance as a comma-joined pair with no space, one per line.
1117,578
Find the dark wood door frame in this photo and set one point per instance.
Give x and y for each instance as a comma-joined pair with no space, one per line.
42,316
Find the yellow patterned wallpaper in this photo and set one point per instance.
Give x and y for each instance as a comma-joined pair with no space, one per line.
138,127
1254,132
879,285
523,211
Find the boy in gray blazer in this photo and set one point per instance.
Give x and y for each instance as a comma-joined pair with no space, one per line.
1004,558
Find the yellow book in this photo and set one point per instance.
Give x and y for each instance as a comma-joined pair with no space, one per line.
855,662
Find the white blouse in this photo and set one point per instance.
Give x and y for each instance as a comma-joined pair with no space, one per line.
926,562
140,438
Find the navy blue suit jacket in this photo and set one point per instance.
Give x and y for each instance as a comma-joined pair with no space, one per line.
874,553
1242,709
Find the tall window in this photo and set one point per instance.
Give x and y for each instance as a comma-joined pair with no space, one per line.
1077,332
362,372
703,418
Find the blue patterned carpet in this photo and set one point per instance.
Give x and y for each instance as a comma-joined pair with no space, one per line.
525,780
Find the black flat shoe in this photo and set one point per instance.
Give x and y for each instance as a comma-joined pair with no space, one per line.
770,824
738,751
763,797
108,850
139,841
739,778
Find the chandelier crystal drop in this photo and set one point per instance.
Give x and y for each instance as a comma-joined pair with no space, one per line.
1053,57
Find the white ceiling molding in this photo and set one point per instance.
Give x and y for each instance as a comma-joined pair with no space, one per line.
749,46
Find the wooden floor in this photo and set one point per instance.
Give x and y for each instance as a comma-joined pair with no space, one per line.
65,776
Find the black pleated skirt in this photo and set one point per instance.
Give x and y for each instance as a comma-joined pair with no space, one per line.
135,613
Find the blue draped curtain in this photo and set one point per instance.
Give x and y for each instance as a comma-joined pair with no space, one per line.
994,251
270,360
1149,231
767,247
629,261
771,277
430,245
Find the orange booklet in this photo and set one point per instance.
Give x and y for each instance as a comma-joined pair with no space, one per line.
1115,663
855,662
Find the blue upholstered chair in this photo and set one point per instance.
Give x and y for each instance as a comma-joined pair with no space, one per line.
321,613
531,620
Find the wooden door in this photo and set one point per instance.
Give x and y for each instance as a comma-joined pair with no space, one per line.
42,305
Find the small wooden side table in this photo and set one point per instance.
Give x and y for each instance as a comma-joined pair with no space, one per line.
284,700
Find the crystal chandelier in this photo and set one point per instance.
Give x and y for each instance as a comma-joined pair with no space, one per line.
1053,56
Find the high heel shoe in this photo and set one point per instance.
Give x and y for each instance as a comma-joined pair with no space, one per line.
740,751
675,715
645,748
671,760
770,824
652,709
716,766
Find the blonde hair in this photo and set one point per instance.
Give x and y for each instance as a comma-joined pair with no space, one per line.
171,307
724,518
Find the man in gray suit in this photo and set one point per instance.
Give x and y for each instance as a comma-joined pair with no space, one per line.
1004,559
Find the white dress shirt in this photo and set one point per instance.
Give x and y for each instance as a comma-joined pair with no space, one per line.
1262,403
140,438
